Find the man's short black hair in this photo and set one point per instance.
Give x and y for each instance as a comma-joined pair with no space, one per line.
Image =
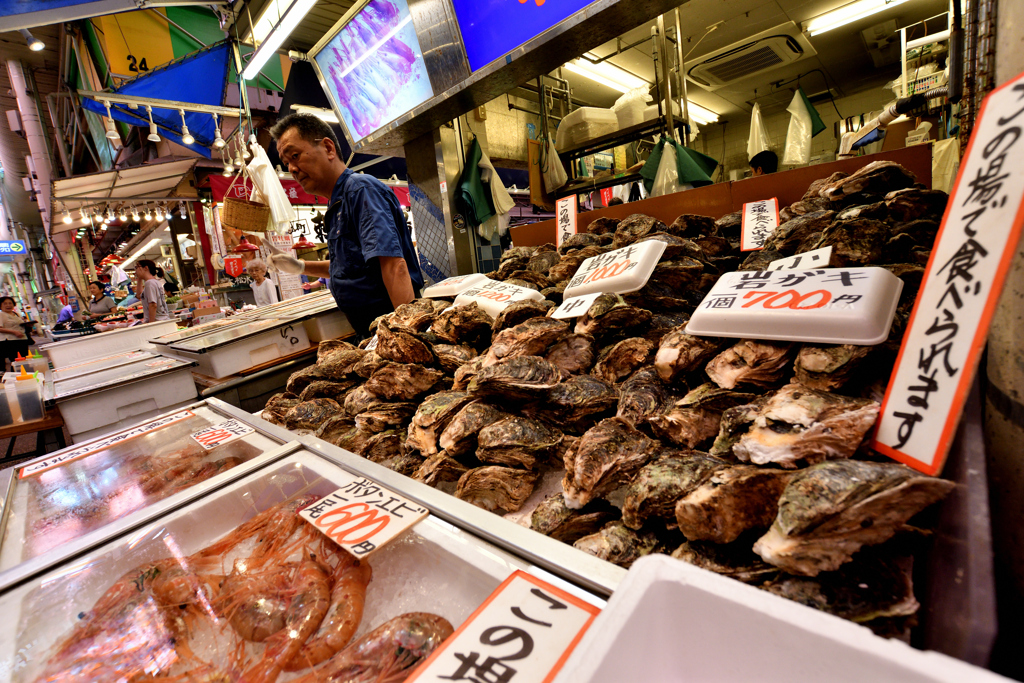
767,161
311,129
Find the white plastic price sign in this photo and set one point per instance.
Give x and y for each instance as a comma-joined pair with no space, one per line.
759,221
362,516
524,632
565,215
493,296
619,271
827,305
454,285
819,258
576,306
961,286
222,433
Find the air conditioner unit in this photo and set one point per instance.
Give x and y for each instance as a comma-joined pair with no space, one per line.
764,52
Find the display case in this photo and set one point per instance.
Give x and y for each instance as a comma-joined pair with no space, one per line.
94,346
101,612
232,349
98,364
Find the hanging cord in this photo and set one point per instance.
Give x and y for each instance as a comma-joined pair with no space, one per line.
828,88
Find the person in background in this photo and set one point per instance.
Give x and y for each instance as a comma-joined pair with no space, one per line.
263,289
764,163
615,201
100,304
315,285
154,303
67,314
13,339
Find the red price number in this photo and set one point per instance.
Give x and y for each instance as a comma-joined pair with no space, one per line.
214,437
344,523
611,270
497,296
789,299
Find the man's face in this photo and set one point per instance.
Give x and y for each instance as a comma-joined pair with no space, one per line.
309,163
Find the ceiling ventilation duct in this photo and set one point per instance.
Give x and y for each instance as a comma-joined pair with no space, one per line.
770,50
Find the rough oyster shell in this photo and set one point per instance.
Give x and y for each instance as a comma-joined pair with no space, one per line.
618,544
466,372
530,338
301,379
496,488
333,427
453,356
397,344
542,262
659,484
831,510
567,267
386,444
681,353
828,367
603,226
431,418
359,399
814,189
730,225
675,247
802,208
759,260
692,225
622,359
642,395
460,436
856,242
440,469
338,363
330,345
332,389
416,315
663,323
277,406
610,314
368,365
878,177
604,458
685,426
311,414
402,381
516,442
713,246
575,403
519,378
572,355
405,462
578,241
800,233
735,560
681,274
758,363
519,312
730,502
468,324
511,264
913,203
633,227
385,416
553,518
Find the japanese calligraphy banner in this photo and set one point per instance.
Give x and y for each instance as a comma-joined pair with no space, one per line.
523,632
362,516
759,221
620,271
565,216
961,286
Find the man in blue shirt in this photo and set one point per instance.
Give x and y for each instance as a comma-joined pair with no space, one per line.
372,266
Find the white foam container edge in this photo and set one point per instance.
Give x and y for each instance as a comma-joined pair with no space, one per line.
671,621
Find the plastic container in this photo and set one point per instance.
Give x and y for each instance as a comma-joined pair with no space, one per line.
6,415
28,391
33,363
584,125
72,351
629,109
651,112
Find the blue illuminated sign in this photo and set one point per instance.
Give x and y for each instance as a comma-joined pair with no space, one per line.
11,248
493,28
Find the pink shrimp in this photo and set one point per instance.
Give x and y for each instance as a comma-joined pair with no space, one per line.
273,527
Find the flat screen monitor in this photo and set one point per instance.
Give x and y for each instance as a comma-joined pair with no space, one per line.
493,28
372,67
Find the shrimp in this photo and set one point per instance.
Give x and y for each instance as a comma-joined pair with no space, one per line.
348,595
387,654
272,527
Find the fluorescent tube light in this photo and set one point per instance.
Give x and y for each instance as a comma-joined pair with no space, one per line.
847,14
149,245
701,115
289,20
607,74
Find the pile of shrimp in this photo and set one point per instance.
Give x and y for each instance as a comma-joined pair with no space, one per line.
272,597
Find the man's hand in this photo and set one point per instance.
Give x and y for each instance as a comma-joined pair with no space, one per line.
287,264
395,273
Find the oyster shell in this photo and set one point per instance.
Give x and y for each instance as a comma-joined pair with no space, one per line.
758,363
386,444
713,246
453,356
511,264
327,389
663,323
759,260
603,226
797,424
519,312
735,560
467,324
681,274
675,247
692,225
542,262
730,225
658,485
553,518
731,501
828,367
567,267
857,242
406,462
878,177
397,344
681,353
301,379
277,406
642,395
519,378
352,439
831,510
814,189
572,355
496,488
609,315
417,315
311,414
333,427
799,234
554,295
877,211
604,458
331,345
385,416
618,544
460,436
633,227
530,338
685,426
578,241
440,469
338,363
913,203
575,403
516,442
621,360
368,365
802,208
358,400
431,418
402,381
466,372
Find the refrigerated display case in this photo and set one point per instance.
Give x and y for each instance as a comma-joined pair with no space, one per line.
93,346
232,349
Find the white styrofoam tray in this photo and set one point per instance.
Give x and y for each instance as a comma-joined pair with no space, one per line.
621,270
493,296
256,349
454,285
329,325
106,343
671,621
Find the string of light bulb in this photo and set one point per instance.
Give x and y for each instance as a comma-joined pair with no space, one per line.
133,104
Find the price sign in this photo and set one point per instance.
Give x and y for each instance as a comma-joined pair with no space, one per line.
220,434
828,305
619,271
565,214
454,285
576,306
524,632
959,291
759,221
819,258
493,296
362,516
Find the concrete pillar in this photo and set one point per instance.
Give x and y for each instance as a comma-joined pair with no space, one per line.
1004,405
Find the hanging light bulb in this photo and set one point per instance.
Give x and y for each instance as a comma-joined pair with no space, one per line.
135,214
109,123
123,215
67,216
218,141
153,136
110,215
149,214
159,214
186,137
181,211
85,218
245,148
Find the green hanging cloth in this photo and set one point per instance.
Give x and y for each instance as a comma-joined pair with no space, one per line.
817,125
472,198
694,168
650,168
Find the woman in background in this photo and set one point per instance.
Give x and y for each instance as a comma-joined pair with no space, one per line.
263,290
100,304
13,339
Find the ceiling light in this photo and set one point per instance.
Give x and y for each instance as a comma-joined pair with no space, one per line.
149,214
153,136
218,141
85,218
67,217
34,43
123,215
159,214
181,211
109,123
289,20
229,170
110,215
135,214
607,74
326,115
847,14
238,160
186,137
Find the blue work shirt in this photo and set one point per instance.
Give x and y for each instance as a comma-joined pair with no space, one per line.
366,222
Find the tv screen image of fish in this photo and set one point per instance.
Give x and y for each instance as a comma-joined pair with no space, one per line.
374,67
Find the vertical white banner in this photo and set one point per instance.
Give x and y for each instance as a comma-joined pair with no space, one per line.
759,221
565,215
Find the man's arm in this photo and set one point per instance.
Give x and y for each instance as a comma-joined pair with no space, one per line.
395,273
317,268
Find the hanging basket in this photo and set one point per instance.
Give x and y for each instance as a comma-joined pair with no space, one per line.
245,214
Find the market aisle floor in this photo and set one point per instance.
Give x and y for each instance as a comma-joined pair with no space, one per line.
23,449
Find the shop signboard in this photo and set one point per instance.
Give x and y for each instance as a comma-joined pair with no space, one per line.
759,221
12,250
234,265
959,291
242,189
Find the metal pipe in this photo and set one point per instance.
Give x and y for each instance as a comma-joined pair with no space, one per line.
618,51
117,98
683,95
933,38
35,135
51,104
666,73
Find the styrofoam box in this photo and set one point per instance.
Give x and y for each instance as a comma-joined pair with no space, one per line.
583,125
330,325
249,351
671,621
127,403
106,343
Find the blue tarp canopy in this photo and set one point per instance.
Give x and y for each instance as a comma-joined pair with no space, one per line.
198,78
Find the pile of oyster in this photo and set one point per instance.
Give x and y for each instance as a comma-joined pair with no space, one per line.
746,457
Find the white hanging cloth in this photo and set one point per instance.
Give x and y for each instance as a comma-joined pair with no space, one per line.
798,137
757,141
262,172
503,202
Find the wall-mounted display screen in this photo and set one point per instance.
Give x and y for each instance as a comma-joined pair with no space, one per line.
373,67
493,28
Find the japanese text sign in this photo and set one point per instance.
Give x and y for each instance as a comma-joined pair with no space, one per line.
219,434
493,296
819,258
362,516
575,307
523,633
453,286
106,442
959,291
759,221
827,305
565,216
9,249
619,271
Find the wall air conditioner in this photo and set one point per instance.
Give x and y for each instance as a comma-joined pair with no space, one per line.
769,50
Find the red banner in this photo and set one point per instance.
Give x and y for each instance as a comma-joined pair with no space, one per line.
219,185
234,265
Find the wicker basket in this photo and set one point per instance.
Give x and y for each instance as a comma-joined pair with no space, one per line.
244,214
